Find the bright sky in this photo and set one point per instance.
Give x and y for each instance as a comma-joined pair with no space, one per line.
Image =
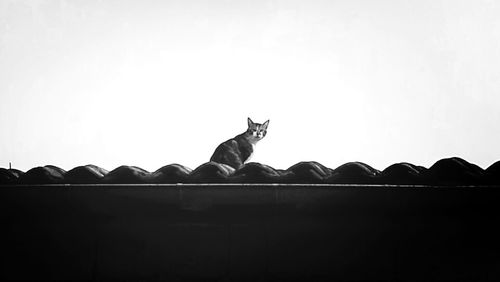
149,83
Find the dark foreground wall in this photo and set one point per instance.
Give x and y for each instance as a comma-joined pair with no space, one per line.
213,233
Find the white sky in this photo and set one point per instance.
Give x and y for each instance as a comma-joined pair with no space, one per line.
149,83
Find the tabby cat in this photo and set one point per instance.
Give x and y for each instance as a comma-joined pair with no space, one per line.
238,150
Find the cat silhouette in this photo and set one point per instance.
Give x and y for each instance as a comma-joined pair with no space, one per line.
237,151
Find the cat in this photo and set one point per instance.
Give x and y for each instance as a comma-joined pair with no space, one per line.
237,151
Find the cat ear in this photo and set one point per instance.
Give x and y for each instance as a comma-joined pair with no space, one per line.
265,124
250,122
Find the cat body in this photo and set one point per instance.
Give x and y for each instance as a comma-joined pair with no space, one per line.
236,151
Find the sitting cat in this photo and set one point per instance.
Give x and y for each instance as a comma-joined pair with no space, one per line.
238,150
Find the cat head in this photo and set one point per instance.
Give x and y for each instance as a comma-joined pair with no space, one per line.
257,131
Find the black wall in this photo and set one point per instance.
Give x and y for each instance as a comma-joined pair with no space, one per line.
251,232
